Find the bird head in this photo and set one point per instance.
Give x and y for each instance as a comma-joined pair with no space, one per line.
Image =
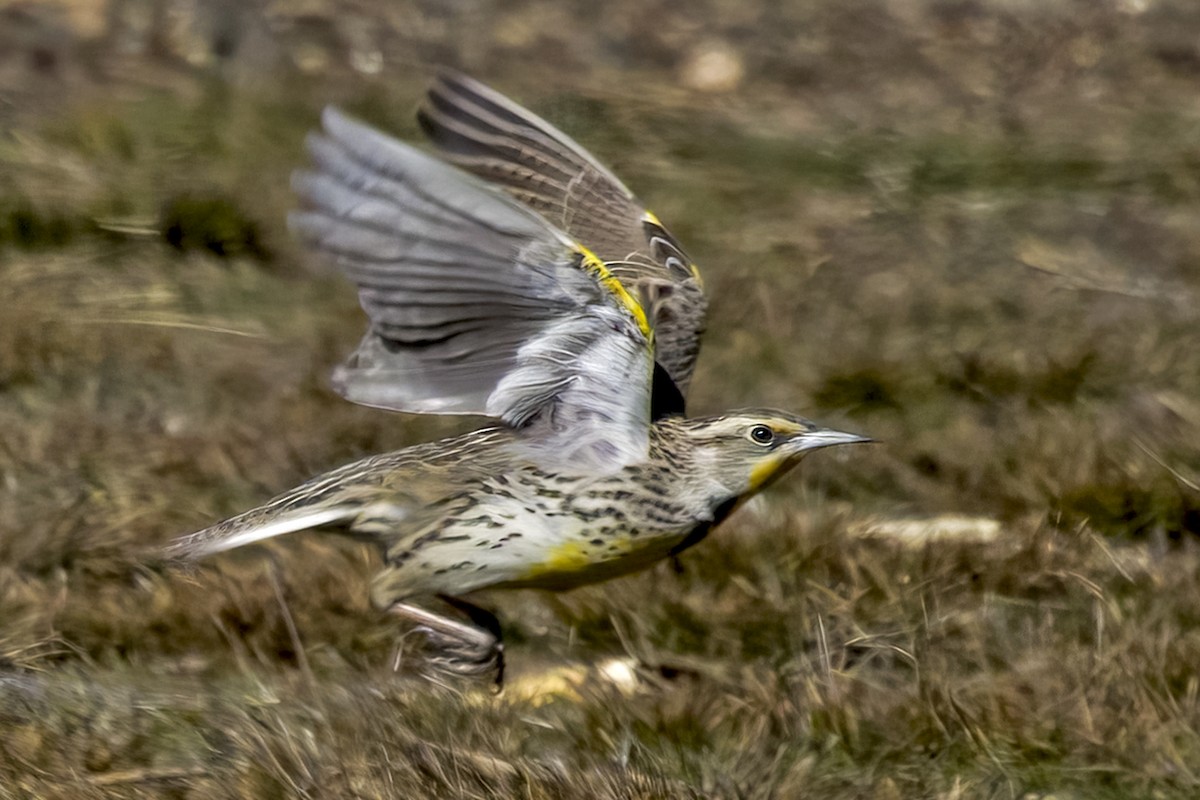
749,449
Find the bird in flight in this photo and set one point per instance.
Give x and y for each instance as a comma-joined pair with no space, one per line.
517,279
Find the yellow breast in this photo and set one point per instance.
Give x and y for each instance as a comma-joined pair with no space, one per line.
578,561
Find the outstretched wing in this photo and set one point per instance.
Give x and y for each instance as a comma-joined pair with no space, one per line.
477,304
484,132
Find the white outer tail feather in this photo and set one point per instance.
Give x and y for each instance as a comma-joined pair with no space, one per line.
201,544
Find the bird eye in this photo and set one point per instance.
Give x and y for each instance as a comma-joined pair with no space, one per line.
762,434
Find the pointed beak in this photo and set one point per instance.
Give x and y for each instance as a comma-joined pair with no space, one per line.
824,437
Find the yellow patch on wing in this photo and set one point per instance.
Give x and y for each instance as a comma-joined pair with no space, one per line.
597,269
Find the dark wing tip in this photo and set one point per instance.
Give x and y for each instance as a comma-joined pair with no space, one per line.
665,398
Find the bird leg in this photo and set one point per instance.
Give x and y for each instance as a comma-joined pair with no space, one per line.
466,649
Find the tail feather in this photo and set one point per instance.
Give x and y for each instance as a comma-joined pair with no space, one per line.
254,526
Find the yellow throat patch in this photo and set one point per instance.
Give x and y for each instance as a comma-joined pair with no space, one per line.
764,470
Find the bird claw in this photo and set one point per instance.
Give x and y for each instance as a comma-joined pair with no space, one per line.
469,663
461,649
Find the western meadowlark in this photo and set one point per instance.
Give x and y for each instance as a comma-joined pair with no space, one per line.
556,304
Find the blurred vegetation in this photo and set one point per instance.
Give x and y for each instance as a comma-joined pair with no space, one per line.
965,228
211,223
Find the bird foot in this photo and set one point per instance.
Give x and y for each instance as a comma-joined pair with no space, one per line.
460,649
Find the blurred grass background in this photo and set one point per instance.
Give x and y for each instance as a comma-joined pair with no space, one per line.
965,227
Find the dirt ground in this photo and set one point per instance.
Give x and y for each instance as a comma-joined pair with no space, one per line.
969,229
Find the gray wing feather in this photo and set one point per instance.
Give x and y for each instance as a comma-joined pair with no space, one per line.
477,304
487,134
586,426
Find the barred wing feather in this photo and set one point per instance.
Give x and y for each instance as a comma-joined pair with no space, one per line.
477,305
487,134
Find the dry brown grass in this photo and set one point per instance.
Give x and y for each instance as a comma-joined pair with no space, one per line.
967,227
